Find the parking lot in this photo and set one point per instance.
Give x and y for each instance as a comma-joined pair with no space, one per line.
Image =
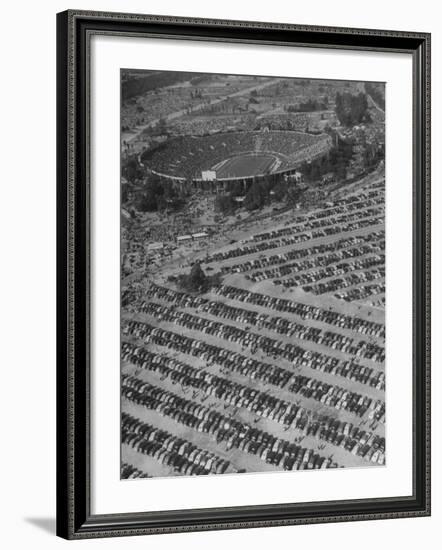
281,366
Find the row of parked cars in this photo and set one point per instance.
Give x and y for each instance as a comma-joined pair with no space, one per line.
224,429
323,261
280,325
358,201
248,438
172,451
374,273
251,398
263,246
128,471
322,218
250,368
362,292
191,346
338,397
305,311
253,342
275,261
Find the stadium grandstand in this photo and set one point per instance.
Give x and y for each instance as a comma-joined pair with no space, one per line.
235,155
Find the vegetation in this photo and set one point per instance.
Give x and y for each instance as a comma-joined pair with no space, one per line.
352,109
376,92
132,169
197,280
225,204
280,190
256,196
336,162
158,195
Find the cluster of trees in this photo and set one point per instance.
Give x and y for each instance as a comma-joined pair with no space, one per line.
261,192
352,109
197,94
158,195
373,154
225,203
257,195
376,92
132,169
336,162
197,281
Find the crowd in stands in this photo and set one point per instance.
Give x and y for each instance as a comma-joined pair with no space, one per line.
279,325
172,451
187,156
312,151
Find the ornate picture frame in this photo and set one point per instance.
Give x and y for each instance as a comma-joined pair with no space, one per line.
75,519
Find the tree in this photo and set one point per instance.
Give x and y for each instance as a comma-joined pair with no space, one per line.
161,127
132,170
280,190
159,195
197,278
294,195
224,204
351,109
255,197
147,202
195,281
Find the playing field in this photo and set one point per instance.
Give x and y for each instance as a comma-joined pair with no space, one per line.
245,165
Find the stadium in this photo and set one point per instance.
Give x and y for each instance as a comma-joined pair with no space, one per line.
234,156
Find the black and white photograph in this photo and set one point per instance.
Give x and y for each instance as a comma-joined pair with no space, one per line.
219,286
252,274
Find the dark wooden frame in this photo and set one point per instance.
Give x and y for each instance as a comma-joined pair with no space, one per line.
74,518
